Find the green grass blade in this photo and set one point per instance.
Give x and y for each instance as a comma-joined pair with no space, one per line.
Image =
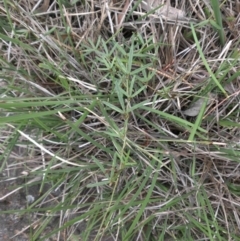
218,18
205,62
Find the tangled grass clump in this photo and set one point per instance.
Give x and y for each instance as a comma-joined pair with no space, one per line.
124,115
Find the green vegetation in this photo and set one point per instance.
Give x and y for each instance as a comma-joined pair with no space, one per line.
128,133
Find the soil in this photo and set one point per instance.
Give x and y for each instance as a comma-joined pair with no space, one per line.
17,226
14,224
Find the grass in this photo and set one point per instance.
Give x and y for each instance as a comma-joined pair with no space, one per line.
95,121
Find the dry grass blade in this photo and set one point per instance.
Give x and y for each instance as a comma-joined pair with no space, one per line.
43,7
121,16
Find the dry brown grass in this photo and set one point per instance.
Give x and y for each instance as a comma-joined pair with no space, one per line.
139,174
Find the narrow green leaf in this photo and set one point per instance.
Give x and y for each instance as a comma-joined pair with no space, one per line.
113,107
198,120
205,62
